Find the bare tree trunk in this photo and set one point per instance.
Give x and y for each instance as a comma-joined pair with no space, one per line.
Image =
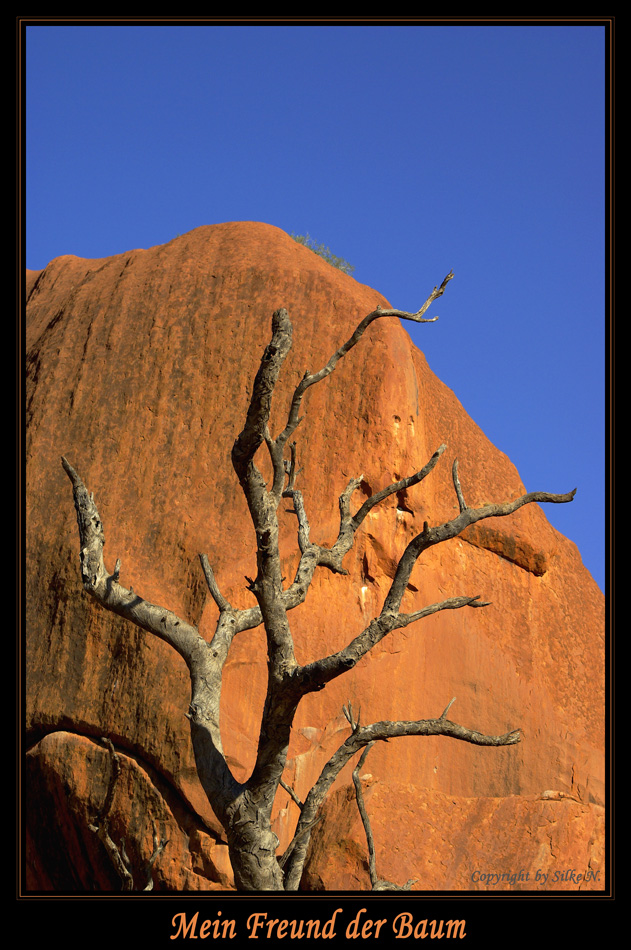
245,809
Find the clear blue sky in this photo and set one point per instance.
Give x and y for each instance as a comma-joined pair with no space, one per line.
409,150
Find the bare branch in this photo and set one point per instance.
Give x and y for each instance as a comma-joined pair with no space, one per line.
401,485
348,713
118,855
378,884
315,555
364,815
332,557
291,793
382,885
106,589
315,675
114,775
257,419
451,529
297,839
454,473
205,661
291,470
159,844
360,738
275,450
91,534
304,529
309,379
452,603
213,587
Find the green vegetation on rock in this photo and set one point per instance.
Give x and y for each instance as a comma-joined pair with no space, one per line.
324,252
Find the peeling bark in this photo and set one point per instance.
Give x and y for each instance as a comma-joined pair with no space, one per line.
244,808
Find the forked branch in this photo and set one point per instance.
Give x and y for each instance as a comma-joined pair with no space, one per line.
360,737
310,379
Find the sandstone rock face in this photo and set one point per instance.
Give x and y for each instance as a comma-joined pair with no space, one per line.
542,843
139,370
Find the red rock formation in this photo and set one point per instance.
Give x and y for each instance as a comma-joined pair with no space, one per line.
139,369
539,843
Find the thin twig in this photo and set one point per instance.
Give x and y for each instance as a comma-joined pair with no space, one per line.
213,587
291,793
456,480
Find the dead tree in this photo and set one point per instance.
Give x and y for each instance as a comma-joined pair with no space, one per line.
244,808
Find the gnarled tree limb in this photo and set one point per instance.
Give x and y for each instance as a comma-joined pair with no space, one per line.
360,737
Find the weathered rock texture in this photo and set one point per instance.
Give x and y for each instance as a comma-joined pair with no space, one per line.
539,843
139,370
